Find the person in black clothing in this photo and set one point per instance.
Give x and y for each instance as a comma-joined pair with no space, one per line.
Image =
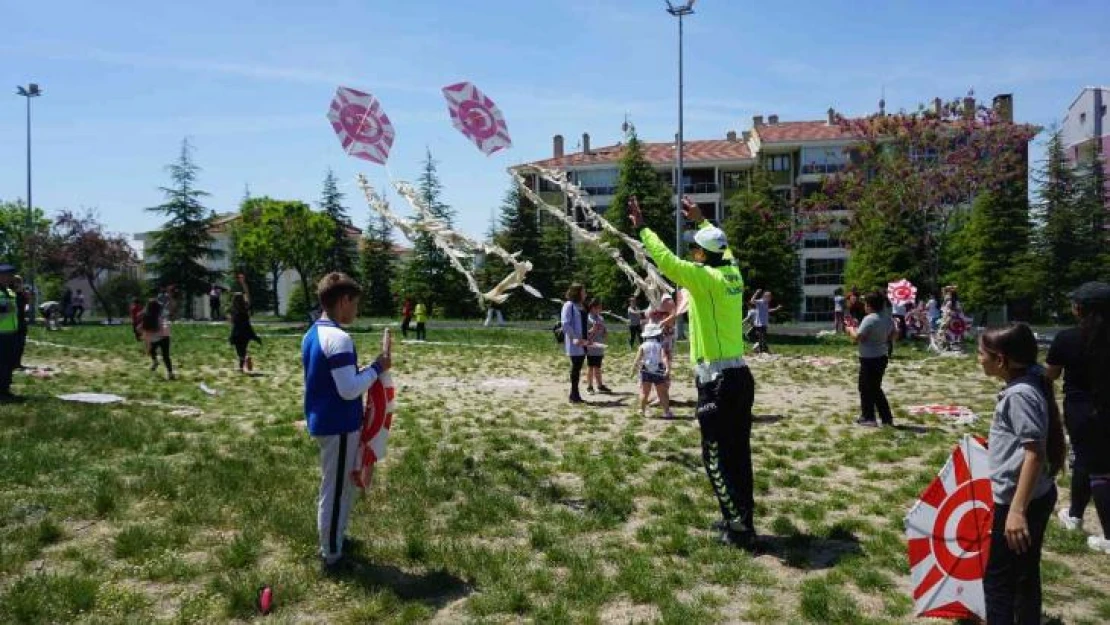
242,332
67,307
214,302
22,297
1082,356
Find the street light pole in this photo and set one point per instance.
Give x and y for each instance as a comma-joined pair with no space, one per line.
30,91
679,12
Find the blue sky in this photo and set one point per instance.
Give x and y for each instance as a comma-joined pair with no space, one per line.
249,82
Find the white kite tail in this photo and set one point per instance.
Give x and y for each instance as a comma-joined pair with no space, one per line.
652,285
450,242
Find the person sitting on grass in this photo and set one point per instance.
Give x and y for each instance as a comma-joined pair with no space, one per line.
333,388
873,335
156,336
595,348
653,365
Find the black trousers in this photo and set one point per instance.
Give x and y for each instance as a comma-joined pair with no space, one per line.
21,346
9,346
871,395
725,417
1012,582
405,321
241,351
576,363
213,309
164,345
635,336
421,331
761,339
78,312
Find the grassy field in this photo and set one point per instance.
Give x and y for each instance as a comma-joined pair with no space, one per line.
499,501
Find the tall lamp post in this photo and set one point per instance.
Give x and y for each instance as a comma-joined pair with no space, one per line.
679,12
30,91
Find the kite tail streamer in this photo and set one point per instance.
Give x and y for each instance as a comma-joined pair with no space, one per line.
654,286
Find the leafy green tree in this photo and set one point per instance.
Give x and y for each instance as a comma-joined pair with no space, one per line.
760,233
285,234
429,276
637,178
992,256
13,230
342,254
184,242
88,252
378,268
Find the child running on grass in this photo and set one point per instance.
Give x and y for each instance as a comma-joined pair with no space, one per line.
242,332
334,385
156,336
595,350
1027,449
137,317
653,364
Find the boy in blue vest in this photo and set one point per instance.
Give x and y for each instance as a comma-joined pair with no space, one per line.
334,385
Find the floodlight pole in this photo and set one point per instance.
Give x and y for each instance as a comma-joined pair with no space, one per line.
30,91
679,12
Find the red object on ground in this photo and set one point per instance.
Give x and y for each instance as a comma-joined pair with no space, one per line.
265,600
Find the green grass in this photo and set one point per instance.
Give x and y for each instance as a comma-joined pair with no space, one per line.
492,506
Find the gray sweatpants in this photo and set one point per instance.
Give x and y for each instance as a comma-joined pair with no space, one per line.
337,491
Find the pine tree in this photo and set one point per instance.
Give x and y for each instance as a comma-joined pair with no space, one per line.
519,230
1057,244
378,268
637,178
184,242
1091,203
429,276
758,227
993,251
343,252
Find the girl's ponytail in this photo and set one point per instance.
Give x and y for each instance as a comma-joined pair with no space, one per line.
1057,449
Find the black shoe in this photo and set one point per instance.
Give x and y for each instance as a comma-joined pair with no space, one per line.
340,567
604,389
719,525
740,540
576,399
590,390
869,423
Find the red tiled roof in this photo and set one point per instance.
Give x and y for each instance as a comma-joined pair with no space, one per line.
794,132
656,154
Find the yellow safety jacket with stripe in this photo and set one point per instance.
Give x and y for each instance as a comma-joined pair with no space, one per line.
716,300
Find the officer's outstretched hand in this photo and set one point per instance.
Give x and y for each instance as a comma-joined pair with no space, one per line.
691,211
634,212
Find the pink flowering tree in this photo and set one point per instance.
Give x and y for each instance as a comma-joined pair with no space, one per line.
909,175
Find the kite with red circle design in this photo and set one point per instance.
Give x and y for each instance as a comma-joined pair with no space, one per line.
377,418
477,117
901,292
363,128
949,534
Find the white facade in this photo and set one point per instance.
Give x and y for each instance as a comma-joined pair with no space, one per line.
1088,117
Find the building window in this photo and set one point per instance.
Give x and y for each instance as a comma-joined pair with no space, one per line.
821,240
819,308
824,271
597,181
733,179
778,163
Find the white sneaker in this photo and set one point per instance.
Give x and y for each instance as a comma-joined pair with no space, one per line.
1099,544
1069,522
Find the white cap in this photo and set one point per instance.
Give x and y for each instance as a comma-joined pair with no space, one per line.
652,330
711,239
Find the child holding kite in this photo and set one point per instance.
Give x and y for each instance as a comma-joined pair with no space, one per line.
1026,447
653,365
334,385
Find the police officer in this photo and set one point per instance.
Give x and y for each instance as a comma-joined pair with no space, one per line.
9,331
726,388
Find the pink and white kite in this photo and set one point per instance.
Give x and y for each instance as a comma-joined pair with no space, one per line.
363,127
477,117
901,292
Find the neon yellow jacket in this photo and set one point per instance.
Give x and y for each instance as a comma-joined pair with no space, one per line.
421,313
716,300
9,311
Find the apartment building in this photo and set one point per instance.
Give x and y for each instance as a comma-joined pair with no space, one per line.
1086,128
799,155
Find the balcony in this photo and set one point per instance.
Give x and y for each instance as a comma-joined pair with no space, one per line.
599,190
823,168
780,178
554,198
699,188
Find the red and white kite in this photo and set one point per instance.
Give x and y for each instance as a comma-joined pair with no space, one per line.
958,326
901,292
949,534
377,418
363,127
477,117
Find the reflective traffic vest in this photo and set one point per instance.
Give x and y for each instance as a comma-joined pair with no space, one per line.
9,311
